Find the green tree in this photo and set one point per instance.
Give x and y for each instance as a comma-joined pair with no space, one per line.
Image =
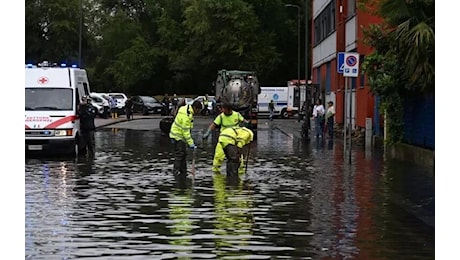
160,46
402,62
52,30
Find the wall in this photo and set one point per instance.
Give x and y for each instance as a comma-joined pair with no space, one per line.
419,121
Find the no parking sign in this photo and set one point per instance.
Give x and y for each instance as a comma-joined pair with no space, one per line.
351,64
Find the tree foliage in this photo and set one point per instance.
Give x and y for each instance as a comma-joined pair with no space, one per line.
402,62
159,46
52,30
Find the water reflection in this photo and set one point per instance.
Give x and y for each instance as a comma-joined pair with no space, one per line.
296,200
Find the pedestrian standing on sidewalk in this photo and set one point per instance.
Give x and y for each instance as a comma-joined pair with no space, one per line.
205,111
181,136
214,106
175,104
113,107
318,115
330,118
271,108
129,108
166,101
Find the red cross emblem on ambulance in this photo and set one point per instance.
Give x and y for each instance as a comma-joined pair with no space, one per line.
43,80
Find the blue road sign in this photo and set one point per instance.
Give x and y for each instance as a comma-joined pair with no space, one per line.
340,61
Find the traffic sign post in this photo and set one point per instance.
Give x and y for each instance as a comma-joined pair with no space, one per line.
351,64
348,64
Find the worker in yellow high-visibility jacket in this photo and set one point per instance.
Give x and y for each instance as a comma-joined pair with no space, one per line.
230,144
181,136
228,118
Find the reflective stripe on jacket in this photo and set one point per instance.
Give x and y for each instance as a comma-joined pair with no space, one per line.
239,136
245,136
183,124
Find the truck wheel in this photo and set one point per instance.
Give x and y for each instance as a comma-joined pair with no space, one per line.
284,114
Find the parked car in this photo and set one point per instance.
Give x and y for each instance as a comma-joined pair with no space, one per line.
99,108
210,98
188,101
147,105
101,100
200,98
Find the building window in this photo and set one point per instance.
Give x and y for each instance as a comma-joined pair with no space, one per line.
325,22
317,32
351,7
333,15
318,75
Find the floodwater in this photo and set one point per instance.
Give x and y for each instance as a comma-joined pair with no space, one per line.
295,201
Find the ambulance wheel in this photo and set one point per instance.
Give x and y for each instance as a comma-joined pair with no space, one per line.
284,114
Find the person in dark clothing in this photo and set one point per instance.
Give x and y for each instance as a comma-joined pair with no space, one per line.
271,109
175,104
166,102
129,108
87,113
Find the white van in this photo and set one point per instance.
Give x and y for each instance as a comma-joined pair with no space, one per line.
52,96
283,98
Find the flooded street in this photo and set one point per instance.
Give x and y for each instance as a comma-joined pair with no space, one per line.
296,201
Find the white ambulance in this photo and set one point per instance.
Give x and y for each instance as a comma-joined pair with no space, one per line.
283,98
52,96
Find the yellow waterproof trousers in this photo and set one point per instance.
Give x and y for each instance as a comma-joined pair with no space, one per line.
219,157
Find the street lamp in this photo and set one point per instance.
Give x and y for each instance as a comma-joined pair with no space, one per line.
298,41
79,33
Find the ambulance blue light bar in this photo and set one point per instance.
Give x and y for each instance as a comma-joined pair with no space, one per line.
47,64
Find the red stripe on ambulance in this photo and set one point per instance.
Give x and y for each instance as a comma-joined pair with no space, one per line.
61,121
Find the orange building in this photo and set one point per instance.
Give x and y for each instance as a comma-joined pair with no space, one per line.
337,27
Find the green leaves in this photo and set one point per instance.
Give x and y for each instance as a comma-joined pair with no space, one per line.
402,62
174,45
134,65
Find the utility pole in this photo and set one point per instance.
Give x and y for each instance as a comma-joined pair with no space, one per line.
298,41
307,70
80,33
